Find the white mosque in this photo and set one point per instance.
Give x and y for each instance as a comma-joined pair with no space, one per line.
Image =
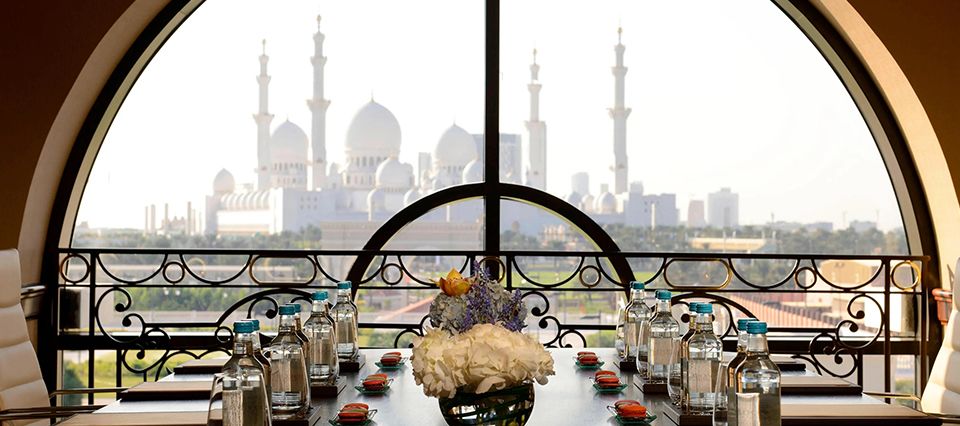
296,186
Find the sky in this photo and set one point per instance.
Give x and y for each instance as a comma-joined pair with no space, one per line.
723,94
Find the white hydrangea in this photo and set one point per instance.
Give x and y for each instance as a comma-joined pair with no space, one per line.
487,357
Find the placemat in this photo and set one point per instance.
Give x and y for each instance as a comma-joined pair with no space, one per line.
139,419
817,385
853,415
164,391
201,366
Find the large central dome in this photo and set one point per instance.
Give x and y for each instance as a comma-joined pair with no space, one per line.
456,148
373,131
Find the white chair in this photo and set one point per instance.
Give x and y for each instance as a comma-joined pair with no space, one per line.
23,395
941,397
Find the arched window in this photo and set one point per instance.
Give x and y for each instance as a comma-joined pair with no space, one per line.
718,128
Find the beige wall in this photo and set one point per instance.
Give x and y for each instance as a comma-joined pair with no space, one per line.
57,54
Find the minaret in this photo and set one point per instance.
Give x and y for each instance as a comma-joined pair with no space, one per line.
263,118
317,167
619,114
537,131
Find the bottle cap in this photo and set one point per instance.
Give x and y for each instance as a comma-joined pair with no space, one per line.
319,295
242,327
663,294
693,307
287,309
344,285
296,307
757,327
637,285
705,308
255,322
742,323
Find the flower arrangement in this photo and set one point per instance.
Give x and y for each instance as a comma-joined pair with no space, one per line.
476,345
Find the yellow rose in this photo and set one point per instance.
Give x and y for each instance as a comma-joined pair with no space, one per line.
454,284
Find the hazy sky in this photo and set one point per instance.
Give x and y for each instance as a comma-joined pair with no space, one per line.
724,94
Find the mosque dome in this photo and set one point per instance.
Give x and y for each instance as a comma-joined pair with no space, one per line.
411,196
456,148
224,183
606,203
394,175
587,202
376,201
374,130
288,144
574,198
473,173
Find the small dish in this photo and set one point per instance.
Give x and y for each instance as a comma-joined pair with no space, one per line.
365,391
616,389
636,422
391,367
589,367
364,422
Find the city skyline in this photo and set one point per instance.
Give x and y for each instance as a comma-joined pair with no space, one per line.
290,89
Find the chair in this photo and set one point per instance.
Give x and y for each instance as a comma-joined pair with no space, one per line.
23,395
941,397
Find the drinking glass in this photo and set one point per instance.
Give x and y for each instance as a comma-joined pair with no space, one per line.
719,412
674,385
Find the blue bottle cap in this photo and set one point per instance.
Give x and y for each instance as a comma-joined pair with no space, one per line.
319,295
344,285
742,323
705,308
296,307
693,307
757,327
288,309
242,327
637,285
663,294
255,322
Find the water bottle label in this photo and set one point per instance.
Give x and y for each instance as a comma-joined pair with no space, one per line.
701,374
661,350
748,409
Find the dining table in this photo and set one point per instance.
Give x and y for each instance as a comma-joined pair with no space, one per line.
569,398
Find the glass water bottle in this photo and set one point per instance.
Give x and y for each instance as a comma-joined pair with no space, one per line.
632,319
727,381
289,383
244,390
664,341
258,349
320,330
757,395
684,351
345,319
704,358
300,334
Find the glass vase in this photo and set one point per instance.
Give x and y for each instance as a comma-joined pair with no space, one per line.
505,407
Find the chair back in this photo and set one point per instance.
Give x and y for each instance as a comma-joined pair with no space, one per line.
21,384
942,394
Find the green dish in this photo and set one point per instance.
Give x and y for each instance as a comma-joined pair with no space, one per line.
363,423
589,367
364,391
391,367
643,422
617,389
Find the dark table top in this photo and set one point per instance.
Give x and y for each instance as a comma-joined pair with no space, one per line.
568,399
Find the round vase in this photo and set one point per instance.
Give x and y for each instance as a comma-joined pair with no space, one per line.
505,407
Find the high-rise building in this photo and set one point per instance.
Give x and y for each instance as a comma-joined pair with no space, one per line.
696,216
723,209
580,183
511,156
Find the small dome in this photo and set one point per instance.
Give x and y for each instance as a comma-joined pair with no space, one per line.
606,203
587,202
456,148
376,201
394,175
411,196
574,198
223,183
288,144
374,130
473,173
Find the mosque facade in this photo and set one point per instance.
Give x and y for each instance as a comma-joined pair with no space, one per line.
297,186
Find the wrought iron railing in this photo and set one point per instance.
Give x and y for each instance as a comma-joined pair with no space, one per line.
830,311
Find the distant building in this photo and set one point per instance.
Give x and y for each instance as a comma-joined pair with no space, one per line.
862,225
723,209
511,156
651,211
696,215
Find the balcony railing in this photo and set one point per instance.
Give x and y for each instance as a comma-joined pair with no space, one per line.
153,308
